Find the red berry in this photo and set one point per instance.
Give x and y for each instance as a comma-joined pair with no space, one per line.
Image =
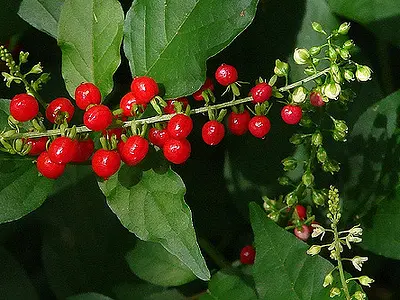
57,107
114,131
261,92
86,94
47,167
158,137
105,163
291,114
62,150
207,85
301,211
238,122
38,145
226,74
84,150
98,117
247,255
303,233
134,150
316,99
259,126
24,107
177,151
180,126
120,146
170,108
213,132
127,103
144,88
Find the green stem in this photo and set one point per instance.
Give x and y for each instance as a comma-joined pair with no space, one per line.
213,253
32,90
156,119
339,260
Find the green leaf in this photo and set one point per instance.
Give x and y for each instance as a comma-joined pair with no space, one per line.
90,36
181,36
151,262
4,113
146,292
42,14
230,284
14,282
89,296
282,269
22,190
380,16
154,209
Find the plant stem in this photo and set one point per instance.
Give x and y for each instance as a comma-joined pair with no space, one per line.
32,90
213,253
156,119
339,261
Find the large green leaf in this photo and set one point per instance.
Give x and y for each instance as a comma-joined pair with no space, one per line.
42,14
170,40
146,292
151,262
90,36
14,282
380,16
230,284
282,269
154,209
89,296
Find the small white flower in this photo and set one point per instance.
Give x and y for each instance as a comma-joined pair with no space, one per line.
318,230
299,95
358,261
301,56
332,90
356,230
359,295
314,250
328,280
363,73
365,280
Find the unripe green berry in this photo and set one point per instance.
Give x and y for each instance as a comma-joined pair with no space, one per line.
291,199
344,28
316,139
321,155
301,56
289,163
315,50
307,178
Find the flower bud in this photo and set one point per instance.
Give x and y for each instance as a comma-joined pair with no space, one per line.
335,72
23,57
301,56
317,27
315,50
344,28
314,250
291,199
359,295
289,164
340,125
284,180
36,69
334,292
332,90
318,198
307,178
281,68
332,53
339,136
274,216
296,139
299,94
348,44
365,280
345,54
363,73
328,280
316,139
356,230
358,261
348,75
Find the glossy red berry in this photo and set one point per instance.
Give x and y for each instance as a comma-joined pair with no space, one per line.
86,94
120,147
38,145
261,92
62,150
177,151
303,233
158,137
316,99
259,126
127,102
213,132
144,88
114,131
301,211
207,85
180,126
84,150
105,163
23,107
247,255
291,114
57,107
238,122
98,117
170,108
48,168
134,150
226,74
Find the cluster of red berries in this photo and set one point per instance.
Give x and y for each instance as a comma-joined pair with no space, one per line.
172,138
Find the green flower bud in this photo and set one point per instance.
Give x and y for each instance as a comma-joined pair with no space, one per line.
318,197
317,27
289,163
274,216
328,280
344,28
363,73
296,139
321,155
340,125
359,295
284,180
335,72
18,144
23,57
348,75
348,44
301,56
331,166
331,90
314,250
307,178
339,136
345,54
309,71
291,199
306,121
316,139
315,50
36,69
332,53
334,292
365,280
281,68
299,95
